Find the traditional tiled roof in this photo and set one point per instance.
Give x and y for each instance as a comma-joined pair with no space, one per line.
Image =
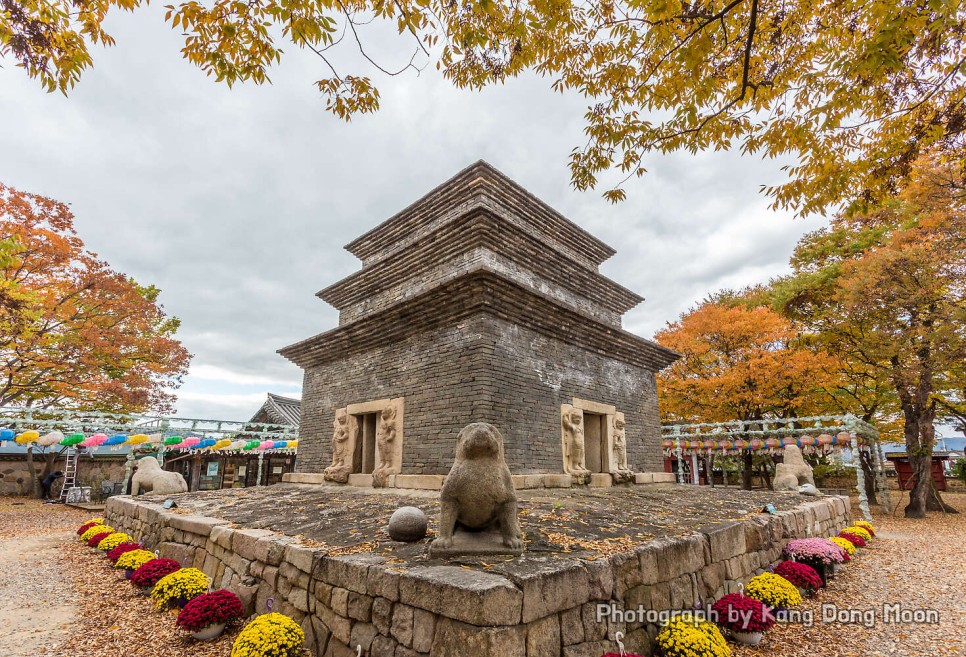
479,243
283,410
479,291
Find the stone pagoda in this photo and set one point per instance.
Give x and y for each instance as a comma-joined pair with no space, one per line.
479,303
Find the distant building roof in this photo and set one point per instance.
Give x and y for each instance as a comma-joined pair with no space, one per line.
942,445
281,410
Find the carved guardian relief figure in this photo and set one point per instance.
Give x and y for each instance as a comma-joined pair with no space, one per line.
572,437
619,470
388,444
341,452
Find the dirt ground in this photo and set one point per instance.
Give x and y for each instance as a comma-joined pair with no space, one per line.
59,597
38,602
914,564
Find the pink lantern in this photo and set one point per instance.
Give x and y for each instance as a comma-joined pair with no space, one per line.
756,443
266,444
825,439
808,440
191,441
772,443
789,440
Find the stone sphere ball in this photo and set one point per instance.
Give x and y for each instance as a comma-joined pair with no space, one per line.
407,524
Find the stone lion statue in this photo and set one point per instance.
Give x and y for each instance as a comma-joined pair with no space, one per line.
150,478
478,495
793,471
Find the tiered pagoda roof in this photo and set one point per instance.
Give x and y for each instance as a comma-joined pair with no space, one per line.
479,243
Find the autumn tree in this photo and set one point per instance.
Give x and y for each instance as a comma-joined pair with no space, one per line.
852,387
74,332
887,290
738,363
851,91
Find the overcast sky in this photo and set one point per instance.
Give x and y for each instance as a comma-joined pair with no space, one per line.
237,202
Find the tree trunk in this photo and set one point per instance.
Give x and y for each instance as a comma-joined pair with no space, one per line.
35,489
746,473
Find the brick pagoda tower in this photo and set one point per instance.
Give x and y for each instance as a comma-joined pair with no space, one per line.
479,303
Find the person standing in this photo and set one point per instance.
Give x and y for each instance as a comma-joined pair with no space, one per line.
48,482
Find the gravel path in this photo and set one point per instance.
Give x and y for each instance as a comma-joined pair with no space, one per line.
37,600
915,564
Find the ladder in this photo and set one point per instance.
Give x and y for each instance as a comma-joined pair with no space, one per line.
70,472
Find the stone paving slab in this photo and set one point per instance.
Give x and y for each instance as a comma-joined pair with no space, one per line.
552,520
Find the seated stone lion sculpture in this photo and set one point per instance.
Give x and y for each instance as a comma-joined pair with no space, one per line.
793,471
478,500
150,478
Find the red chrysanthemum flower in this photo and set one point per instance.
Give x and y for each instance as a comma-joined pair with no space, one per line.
83,528
97,538
800,574
854,539
741,613
219,606
149,574
115,553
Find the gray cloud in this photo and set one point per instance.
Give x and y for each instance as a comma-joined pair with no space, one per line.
236,203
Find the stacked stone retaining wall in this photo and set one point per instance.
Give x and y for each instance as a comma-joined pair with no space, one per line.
534,606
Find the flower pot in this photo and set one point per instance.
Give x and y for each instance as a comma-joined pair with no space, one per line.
128,572
747,638
213,631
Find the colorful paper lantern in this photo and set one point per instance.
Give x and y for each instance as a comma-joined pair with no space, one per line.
206,443
192,441
293,444
118,439
50,439
7,434
280,444
222,444
136,439
155,439
27,437
252,444
266,444
173,440
72,439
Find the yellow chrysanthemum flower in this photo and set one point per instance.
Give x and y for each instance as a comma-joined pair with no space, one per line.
180,586
112,541
845,544
687,636
134,559
95,530
859,531
774,591
270,635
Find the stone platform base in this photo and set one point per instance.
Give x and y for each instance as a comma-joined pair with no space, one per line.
520,482
479,544
328,565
